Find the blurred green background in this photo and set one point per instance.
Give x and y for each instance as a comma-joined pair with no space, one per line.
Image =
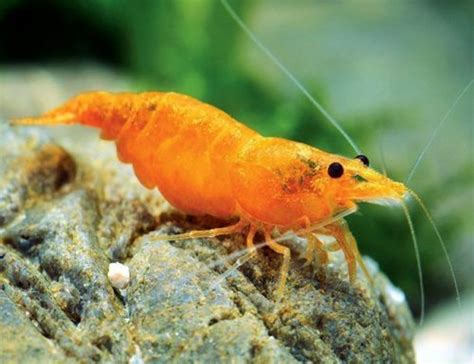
387,70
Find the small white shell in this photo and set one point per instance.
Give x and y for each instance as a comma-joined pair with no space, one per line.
119,275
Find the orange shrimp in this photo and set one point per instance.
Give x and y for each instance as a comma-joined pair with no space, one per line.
206,163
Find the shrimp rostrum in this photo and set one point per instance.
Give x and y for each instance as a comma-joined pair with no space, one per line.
206,163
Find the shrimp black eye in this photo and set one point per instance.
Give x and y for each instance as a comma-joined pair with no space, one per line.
363,158
335,170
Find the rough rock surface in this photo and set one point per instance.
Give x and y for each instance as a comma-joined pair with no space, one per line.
68,208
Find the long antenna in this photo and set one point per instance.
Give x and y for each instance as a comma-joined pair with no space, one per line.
298,84
435,132
442,243
418,261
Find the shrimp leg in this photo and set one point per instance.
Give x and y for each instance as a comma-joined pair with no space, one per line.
310,247
339,234
323,257
314,244
333,247
348,244
250,237
353,244
231,229
283,250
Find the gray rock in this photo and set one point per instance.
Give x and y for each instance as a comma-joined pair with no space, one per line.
65,216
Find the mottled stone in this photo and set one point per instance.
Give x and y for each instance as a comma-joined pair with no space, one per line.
65,215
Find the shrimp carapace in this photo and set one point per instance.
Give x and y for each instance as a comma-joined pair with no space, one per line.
205,162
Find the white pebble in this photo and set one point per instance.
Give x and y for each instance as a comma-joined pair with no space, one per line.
119,275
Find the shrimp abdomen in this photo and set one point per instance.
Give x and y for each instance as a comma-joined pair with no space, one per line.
174,142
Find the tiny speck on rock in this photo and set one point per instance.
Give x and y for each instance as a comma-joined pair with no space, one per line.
119,275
